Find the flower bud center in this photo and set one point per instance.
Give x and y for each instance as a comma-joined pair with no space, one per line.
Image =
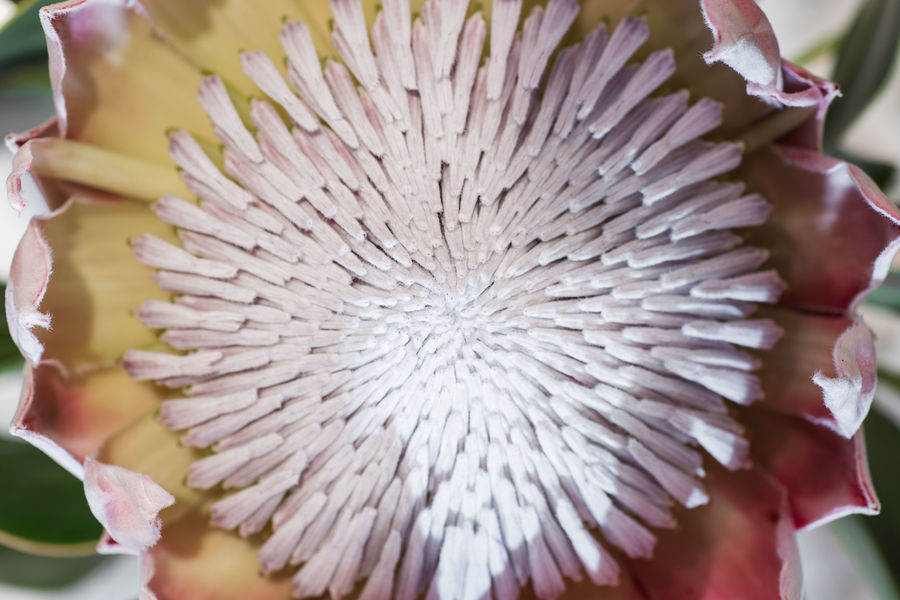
458,328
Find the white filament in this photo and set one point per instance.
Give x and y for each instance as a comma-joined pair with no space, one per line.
463,327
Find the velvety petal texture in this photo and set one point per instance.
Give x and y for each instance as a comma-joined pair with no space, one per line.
848,395
126,503
745,41
786,447
28,279
78,411
14,142
96,283
195,561
146,446
106,66
832,232
54,193
742,546
824,371
72,332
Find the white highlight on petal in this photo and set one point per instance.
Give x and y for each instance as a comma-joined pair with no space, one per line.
452,328
854,358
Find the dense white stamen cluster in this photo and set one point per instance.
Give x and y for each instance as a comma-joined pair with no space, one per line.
459,326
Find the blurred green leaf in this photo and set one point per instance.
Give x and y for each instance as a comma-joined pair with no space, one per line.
888,293
22,38
28,570
864,61
824,47
856,539
42,507
10,358
27,78
883,444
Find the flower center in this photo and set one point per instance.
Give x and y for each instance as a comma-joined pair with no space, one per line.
458,328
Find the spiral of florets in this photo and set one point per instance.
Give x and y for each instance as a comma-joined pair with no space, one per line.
453,326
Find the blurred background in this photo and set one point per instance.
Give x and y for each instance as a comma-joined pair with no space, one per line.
854,42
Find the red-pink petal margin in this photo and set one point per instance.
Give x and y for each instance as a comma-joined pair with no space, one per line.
71,414
148,570
57,60
29,276
49,128
849,394
825,474
22,427
126,503
744,40
50,16
21,163
107,545
112,73
823,370
832,233
797,80
740,546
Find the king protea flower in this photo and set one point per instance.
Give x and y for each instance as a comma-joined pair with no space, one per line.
446,300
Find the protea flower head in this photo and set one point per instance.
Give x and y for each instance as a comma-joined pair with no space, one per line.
446,300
